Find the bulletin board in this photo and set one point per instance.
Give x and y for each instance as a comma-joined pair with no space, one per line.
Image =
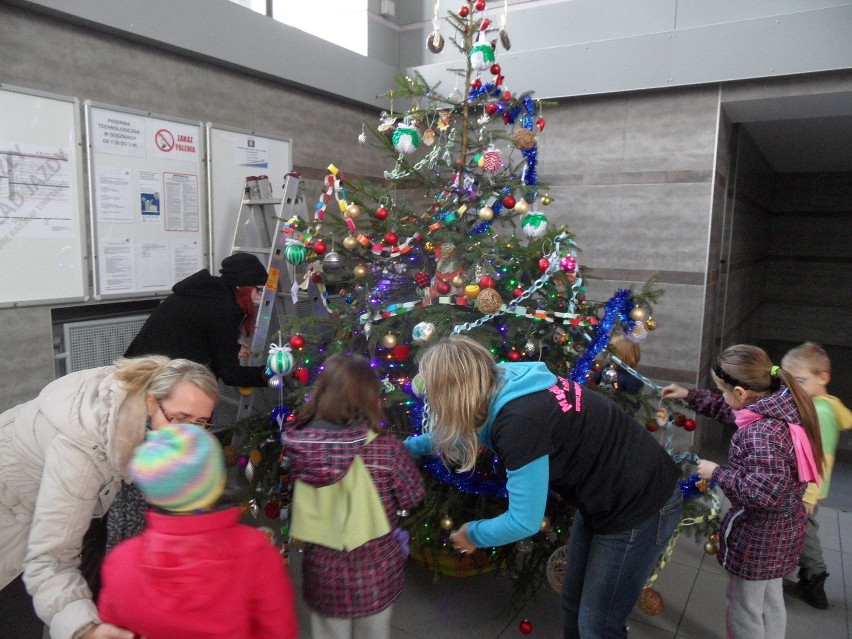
42,226
146,200
233,155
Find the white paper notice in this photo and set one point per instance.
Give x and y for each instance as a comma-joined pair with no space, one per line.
186,258
181,190
117,266
113,195
118,133
35,190
253,152
152,266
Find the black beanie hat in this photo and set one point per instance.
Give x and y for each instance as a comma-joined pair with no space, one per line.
243,269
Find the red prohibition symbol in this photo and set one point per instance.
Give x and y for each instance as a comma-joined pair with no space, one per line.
165,140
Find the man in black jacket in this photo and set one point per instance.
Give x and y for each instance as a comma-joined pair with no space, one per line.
201,319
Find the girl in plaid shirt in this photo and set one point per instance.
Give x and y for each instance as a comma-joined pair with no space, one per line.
774,453
351,480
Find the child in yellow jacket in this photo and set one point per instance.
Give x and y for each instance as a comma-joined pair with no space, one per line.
811,367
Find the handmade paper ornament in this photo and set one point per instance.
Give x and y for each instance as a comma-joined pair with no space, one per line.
638,334
280,359
491,160
435,42
422,332
534,225
481,55
405,138
523,139
488,301
429,137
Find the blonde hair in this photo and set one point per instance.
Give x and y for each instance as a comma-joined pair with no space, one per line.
460,376
808,354
750,368
157,376
625,350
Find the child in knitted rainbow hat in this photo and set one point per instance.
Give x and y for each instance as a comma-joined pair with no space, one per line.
193,572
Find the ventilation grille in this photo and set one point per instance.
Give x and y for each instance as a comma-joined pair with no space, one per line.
99,342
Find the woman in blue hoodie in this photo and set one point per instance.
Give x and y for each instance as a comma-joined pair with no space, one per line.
551,434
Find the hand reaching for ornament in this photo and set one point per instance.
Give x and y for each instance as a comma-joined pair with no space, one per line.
706,468
461,541
673,391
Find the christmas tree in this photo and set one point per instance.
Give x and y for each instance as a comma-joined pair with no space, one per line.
453,240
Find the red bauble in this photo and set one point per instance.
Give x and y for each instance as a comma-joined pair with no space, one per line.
463,12
513,355
689,424
518,292
301,374
486,281
391,238
401,352
652,426
525,627
272,510
491,108
543,265
476,84
297,342
505,117
382,213
320,247
509,202
442,286
317,278
495,69
485,24
507,95
540,124
422,279
480,5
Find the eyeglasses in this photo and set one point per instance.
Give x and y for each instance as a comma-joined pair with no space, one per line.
803,380
177,419
259,289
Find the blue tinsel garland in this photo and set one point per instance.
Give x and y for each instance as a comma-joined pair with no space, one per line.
617,309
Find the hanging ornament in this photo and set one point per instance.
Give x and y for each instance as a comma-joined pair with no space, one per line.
297,342
638,314
391,238
352,211
442,286
480,5
429,247
272,510
546,200
295,253
689,424
526,627
249,470
491,160
389,340
350,243
457,281
422,332
472,291
651,324
489,301
301,375
464,12
534,225
557,565
401,352
637,335
523,139
360,272
280,359
422,279
381,213
387,125
522,207
568,264
529,348
362,137
543,265
435,42
319,247
447,522
651,426
650,602
486,281
486,213
539,124
504,39
405,138
481,55
509,202
429,137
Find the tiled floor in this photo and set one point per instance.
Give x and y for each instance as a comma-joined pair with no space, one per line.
692,585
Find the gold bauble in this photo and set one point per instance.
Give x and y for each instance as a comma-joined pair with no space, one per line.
546,525
489,301
711,548
350,243
429,247
389,340
457,281
650,323
523,139
546,199
255,456
522,207
352,211
486,213
360,272
638,314
447,522
472,291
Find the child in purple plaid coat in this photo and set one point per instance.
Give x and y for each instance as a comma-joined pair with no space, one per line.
352,569
774,453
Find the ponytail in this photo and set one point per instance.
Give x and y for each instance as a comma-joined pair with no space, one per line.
810,421
157,376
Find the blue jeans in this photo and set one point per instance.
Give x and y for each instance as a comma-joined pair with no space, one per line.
606,573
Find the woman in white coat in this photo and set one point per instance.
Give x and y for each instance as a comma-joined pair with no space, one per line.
63,456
